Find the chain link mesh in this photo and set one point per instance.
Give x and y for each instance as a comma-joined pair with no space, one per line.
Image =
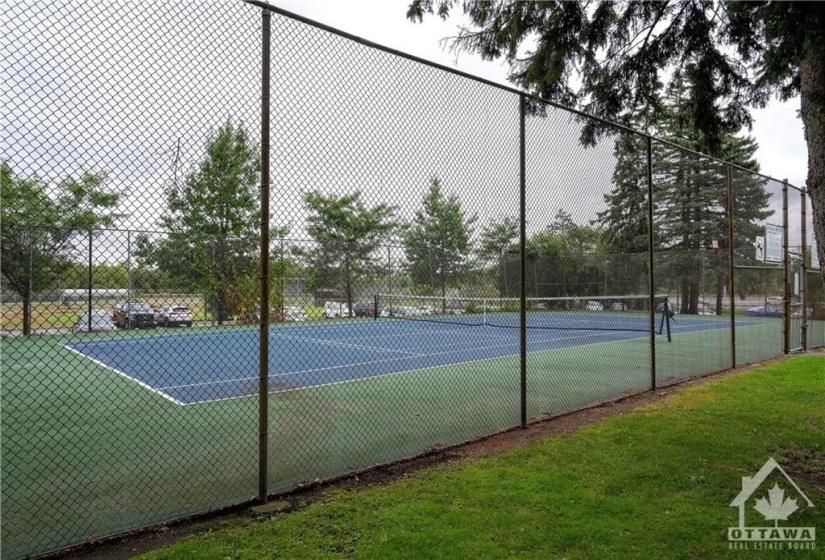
131,263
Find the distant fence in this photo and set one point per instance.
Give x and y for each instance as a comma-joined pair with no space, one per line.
526,275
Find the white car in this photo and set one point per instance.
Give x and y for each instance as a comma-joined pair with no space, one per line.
175,316
294,313
101,322
333,309
703,309
593,306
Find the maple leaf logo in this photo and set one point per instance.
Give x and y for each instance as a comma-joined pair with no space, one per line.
776,507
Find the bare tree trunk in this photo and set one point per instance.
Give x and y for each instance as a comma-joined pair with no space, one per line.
27,314
812,89
721,282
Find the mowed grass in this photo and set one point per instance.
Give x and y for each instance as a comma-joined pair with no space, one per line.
654,483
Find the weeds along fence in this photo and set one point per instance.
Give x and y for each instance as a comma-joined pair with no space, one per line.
378,257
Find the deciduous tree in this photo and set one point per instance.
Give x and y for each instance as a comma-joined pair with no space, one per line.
213,222
40,225
347,232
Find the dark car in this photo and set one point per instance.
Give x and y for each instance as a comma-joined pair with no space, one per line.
101,322
134,315
763,311
363,309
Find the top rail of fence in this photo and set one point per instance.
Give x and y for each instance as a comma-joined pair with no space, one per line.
493,84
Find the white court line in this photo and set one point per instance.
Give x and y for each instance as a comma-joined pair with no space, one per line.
125,375
332,383
284,374
335,342
383,361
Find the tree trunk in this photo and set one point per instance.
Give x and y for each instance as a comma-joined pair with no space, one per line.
220,305
812,90
27,314
721,282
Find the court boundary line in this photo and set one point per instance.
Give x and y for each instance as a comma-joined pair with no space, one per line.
407,371
123,374
332,383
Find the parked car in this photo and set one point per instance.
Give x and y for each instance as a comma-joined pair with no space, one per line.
361,309
134,315
763,311
101,322
618,306
798,314
398,311
593,306
333,309
175,316
294,313
704,310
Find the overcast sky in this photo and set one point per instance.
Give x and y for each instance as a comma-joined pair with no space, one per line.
782,151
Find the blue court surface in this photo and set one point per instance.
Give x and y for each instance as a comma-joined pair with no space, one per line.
189,367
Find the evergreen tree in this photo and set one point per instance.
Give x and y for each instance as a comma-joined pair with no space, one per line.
437,243
690,199
608,59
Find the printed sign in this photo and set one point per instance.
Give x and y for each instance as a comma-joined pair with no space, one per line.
760,249
773,243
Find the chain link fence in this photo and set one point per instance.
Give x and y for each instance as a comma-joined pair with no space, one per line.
445,260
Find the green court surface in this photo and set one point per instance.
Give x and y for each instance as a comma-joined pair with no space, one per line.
87,453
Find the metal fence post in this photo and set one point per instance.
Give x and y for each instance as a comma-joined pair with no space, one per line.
522,261
89,307
803,272
786,265
731,258
263,379
650,277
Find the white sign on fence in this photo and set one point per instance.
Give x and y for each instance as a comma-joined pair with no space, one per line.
773,243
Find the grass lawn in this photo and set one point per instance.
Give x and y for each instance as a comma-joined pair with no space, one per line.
653,483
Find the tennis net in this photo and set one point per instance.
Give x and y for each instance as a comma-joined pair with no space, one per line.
610,313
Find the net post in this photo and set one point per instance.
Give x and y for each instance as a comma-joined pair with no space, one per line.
667,318
375,309
263,373
662,321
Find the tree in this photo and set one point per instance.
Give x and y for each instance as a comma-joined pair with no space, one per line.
690,195
498,240
565,259
42,223
437,243
212,222
733,55
347,233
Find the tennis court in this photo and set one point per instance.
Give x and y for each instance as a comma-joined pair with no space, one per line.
189,368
